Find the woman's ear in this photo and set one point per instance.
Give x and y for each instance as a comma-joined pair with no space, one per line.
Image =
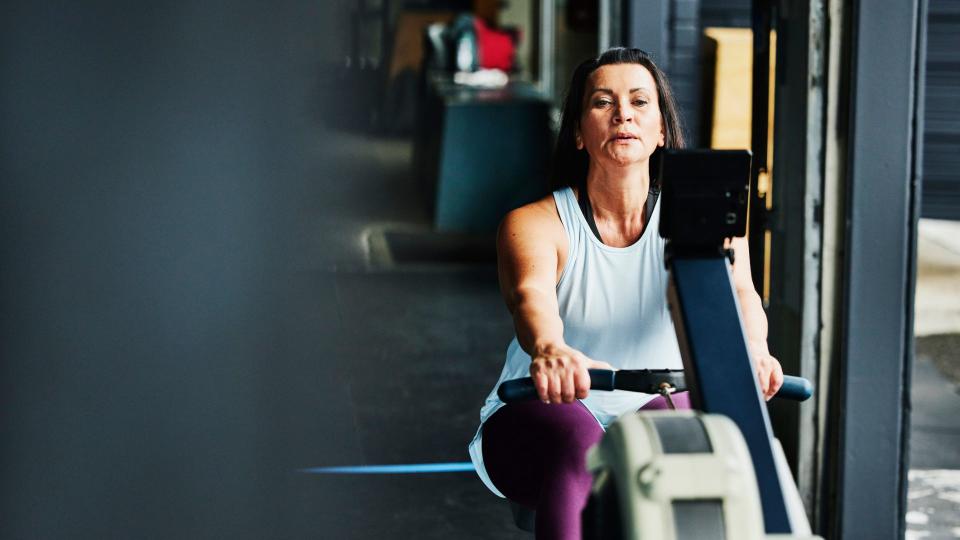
662,140
579,140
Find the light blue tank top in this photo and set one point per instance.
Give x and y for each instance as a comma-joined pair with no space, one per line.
614,308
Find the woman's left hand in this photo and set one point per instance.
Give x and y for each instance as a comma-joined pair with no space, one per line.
769,372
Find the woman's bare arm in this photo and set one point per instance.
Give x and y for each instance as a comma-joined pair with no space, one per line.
527,260
530,244
769,372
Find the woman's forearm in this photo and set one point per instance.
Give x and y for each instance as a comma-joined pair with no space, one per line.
754,318
537,320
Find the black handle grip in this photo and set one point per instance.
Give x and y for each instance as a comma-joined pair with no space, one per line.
795,388
523,389
517,390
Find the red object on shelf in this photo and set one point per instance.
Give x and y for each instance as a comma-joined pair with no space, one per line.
496,46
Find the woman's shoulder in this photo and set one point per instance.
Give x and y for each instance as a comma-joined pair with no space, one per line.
539,213
533,235
538,219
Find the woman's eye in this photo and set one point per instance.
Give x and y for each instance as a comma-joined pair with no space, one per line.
639,102
602,103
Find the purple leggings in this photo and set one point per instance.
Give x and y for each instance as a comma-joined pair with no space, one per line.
535,454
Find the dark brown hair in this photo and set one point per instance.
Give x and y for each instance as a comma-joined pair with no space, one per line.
570,165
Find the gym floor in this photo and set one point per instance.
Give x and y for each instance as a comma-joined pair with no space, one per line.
410,348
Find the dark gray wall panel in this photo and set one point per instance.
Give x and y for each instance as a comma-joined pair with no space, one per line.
870,454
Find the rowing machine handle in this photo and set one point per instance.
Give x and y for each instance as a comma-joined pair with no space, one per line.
524,390
794,388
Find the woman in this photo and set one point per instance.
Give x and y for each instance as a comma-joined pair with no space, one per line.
583,275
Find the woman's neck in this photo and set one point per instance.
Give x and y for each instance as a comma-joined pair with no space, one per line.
620,193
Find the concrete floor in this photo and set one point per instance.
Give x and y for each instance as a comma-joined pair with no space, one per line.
934,493
417,348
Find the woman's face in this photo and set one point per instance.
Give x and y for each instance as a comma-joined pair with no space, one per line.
621,123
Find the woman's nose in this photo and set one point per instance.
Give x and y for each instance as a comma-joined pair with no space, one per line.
622,114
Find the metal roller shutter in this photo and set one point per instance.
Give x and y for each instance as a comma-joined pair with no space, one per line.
941,138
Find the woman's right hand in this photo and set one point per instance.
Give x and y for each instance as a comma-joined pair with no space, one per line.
559,373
